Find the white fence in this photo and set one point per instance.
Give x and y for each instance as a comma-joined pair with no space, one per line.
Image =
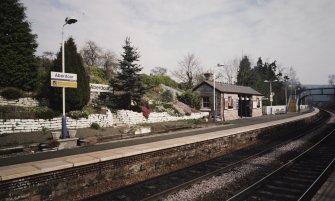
280,109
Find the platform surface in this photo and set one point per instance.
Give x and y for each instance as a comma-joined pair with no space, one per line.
17,167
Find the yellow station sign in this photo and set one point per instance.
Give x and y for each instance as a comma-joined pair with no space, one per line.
57,83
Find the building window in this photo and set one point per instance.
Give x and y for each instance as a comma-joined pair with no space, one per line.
258,103
230,102
205,102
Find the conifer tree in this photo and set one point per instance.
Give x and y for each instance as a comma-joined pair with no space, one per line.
17,47
127,80
75,98
244,72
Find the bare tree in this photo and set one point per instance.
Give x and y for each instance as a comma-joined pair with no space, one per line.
331,79
293,79
189,70
110,63
91,53
158,71
49,55
229,71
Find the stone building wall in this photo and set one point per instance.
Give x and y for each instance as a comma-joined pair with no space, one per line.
230,113
257,106
257,112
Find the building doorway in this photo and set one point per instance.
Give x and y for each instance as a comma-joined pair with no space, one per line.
244,106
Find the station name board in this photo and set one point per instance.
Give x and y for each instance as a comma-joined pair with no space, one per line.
100,88
68,80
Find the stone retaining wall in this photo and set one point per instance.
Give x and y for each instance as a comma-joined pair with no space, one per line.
30,125
104,120
130,117
23,102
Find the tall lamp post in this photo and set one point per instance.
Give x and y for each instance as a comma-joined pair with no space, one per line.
295,92
271,96
214,94
68,20
286,96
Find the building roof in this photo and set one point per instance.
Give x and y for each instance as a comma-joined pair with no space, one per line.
230,88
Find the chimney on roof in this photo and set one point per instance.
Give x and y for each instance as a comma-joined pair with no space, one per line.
208,76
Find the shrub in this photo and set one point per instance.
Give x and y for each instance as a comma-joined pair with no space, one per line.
17,112
190,98
44,130
44,113
145,111
95,126
78,114
92,109
167,96
193,121
98,75
156,80
11,93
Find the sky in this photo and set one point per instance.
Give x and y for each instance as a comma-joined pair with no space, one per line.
295,33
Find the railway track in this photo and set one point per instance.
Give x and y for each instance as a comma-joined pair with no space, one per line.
298,179
156,188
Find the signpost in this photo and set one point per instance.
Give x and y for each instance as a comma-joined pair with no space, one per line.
64,80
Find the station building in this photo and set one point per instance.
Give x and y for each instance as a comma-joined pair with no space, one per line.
232,101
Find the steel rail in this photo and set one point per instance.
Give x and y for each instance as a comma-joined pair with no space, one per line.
314,185
259,182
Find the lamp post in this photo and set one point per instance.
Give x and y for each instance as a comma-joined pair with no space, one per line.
271,96
295,92
286,96
214,95
68,20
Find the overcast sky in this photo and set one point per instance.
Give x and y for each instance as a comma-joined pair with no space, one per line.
296,33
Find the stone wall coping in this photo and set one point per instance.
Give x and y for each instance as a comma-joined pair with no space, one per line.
37,167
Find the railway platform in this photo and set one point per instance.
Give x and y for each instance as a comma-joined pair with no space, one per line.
22,166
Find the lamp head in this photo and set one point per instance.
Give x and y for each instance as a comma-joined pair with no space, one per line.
219,65
70,20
